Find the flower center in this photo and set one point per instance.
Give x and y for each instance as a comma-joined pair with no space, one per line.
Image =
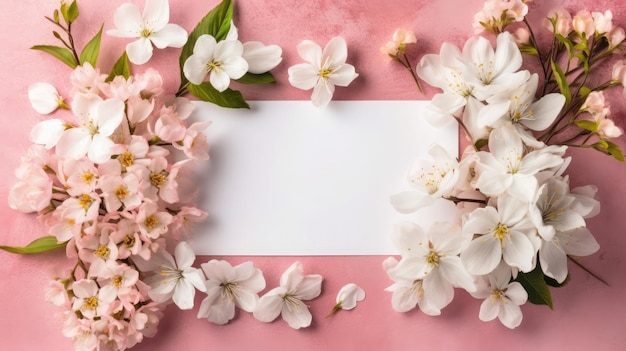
213,66
91,303
121,192
292,303
146,32
87,177
85,201
117,281
485,72
150,222
497,296
501,232
324,73
103,252
433,258
129,241
430,179
158,179
231,290
127,159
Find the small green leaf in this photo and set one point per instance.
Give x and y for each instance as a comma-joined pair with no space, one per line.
215,23
72,12
92,49
228,98
481,143
565,41
553,283
55,16
584,91
615,151
561,80
120,68
536,287
63,54
529,50
42,244
591,126
251,78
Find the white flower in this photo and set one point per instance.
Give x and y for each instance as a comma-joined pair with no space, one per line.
408,293
151,28
322,70
502,298
228,287
431,179
500,234
287,299
177,279
347,298
222,61
98,120
44,98
261,58
508,169
91,300
553,253
433,258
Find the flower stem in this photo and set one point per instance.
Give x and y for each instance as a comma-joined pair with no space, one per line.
588,271
182,90
335,309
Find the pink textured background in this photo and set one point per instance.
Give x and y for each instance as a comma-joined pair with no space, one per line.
587,314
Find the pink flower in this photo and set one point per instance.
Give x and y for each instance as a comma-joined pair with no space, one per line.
619,71
562,22
79,176
86,79
120,190
182,223
583,23
150,84
90,300
603,22
608,129
169,126
597,105
522,36
33,192
194,144
616,36
398,43
151,221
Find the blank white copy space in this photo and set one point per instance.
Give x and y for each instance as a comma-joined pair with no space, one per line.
286,178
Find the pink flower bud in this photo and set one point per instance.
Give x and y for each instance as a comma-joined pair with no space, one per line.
583,23
522,36
619,71
616,36
603,22
563,22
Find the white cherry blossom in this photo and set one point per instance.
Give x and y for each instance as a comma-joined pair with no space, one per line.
347,298
499,234
430,179
221,61
45,98
507,168
227,287
502,298
175,277
150,28
553,253
288,299
323,70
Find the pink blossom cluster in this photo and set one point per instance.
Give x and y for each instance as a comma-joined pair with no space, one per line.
112,180
585,24
497,14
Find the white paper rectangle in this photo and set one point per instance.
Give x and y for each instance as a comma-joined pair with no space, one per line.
286,178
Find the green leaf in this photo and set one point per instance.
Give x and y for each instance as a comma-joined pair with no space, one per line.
215,23
72,12
554,283
63,54
92,49
561,80
120,68
536,287
529,50
615,151
591,126
584,91
251,78
565,41
228,98
481,143
42,244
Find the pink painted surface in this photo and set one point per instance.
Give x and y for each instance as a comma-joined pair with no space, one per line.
587,314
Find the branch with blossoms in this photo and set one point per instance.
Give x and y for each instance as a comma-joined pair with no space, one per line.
518,220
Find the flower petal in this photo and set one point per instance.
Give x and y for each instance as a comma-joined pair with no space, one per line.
261,58
246,300
518,251
100,149
219,80
335,53
489,310
156,14
139,51
43,97
303,76
349,295
297,316
510,315
47,132
343,76
184,255
183,296
310,287
172,35
195,69
128,21
409,201
310,52
322,93
482,255
269,306
73,143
